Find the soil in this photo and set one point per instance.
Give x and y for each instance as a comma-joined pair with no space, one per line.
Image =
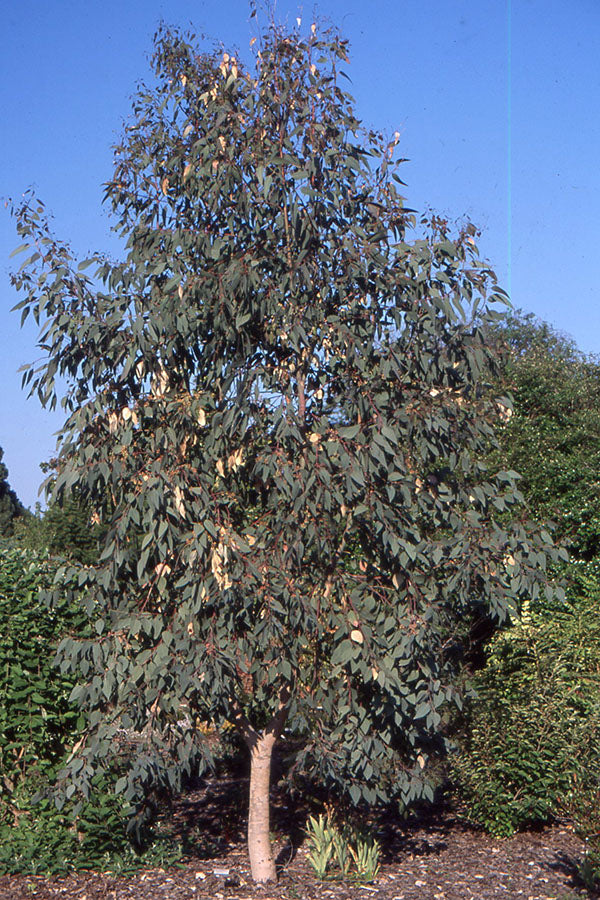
434,856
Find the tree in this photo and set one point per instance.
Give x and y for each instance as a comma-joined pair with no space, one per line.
11,507
283,400
65,529
553,438
530,742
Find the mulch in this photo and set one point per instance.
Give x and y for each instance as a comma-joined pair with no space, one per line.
434,856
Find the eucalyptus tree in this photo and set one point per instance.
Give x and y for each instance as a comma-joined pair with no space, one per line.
276,406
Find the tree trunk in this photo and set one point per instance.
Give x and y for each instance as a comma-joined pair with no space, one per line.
262,862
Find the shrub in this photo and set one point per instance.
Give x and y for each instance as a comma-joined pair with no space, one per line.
531,748
36,718
43,839
38,727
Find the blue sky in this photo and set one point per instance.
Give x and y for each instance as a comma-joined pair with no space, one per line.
497,103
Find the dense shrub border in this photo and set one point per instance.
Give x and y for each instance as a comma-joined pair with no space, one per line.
38,726
36,717
532,750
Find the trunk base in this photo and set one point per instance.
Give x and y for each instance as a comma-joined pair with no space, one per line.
262,862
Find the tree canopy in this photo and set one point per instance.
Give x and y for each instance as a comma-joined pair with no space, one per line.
278,406
11,507
553,437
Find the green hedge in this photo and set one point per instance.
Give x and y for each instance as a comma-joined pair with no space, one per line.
36,718
38,726
531,750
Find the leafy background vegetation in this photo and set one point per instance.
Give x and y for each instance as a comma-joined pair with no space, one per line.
39,725
531,737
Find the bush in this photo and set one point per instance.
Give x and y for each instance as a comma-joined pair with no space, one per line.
38,726
531,750
36,718
43,839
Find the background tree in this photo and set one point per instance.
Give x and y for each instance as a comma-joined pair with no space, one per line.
11,507
283,400
553,438
530,745
67,528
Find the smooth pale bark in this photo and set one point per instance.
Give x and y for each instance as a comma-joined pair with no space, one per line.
260,744
262,862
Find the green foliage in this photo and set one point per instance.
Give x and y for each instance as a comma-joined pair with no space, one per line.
341,853
534,726
29,532
553,438
284,400
67,528
320,839
582,805
11,508
36,718
42,839
533,732
38,727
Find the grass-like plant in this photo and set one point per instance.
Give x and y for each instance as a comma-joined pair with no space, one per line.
341,853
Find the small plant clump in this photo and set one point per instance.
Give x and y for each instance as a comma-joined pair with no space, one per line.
344,853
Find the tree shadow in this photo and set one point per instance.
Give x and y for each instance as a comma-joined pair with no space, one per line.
577,872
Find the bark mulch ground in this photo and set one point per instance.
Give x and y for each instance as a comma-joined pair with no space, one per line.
437,857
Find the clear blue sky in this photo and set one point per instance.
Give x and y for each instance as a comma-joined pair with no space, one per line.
497,103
